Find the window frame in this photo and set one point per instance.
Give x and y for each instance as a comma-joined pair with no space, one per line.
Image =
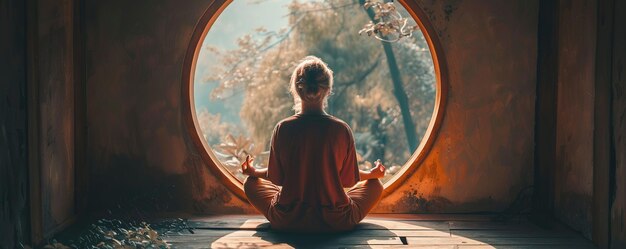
233,184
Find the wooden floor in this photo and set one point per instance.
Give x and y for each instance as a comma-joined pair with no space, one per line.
380,231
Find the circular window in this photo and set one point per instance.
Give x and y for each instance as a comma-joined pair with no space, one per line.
388,81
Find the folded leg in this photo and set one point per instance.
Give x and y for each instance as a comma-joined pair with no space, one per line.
366,195
260,193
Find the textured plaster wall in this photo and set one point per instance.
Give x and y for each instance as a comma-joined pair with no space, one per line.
138,146
575,114
483,155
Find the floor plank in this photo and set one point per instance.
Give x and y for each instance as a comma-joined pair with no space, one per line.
292,240
379,231
235,223
371,224
523,246
355,233
495,241
220,245
434,217
537,233
486,225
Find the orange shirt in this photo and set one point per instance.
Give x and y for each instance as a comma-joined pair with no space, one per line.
312,156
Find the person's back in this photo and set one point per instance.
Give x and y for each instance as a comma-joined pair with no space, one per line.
312,165
313,157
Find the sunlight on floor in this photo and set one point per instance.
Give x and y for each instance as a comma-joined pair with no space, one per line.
379,232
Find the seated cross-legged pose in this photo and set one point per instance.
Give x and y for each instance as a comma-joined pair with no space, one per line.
312,158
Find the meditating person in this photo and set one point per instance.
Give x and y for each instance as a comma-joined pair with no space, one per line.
312,159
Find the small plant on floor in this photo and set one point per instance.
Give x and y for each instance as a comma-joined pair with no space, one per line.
119,234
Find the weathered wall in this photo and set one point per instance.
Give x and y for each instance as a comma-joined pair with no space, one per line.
138,145
14,220
37,103
618,208
575,114
55,70
483,155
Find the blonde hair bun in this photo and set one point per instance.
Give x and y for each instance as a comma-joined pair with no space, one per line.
311,82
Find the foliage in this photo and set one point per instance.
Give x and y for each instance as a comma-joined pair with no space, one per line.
390,25
234,150
213,128
260,68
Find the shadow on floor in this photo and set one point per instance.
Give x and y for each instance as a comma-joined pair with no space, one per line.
382,235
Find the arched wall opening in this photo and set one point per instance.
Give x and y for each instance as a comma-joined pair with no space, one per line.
230,180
